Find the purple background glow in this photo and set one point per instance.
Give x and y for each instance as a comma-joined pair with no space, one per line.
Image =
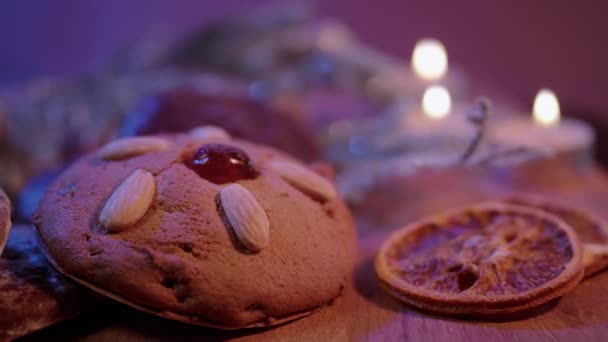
517,46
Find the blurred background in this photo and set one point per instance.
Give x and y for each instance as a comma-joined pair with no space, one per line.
515,46
75,74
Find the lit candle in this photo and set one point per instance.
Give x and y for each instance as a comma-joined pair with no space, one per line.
545,110
436,134
429,60
547,131
435,117
429,64
436,125
436,102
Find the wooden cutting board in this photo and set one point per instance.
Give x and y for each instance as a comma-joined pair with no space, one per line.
366,313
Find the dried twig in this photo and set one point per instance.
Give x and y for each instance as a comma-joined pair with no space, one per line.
477,116
513,155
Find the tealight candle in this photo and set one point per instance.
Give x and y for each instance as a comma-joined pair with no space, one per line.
435,129
436,102
429,60
428,66
545,110
435,116
564,137
428,132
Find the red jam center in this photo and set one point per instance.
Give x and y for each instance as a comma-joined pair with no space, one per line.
221,164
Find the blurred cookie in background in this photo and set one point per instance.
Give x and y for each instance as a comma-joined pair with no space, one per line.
185,108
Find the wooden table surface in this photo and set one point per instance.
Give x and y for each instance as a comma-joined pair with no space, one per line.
365,312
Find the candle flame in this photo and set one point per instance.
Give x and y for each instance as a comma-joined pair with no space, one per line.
429,59
546,108
436,102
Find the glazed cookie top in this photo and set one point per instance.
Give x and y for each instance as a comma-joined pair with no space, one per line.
200,225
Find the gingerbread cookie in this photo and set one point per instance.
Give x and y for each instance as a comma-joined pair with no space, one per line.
200,228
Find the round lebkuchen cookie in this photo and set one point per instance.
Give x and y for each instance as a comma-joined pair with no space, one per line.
200,228
592,230
491,259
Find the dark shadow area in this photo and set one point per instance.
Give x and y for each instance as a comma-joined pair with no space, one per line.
366,284
114,320
77,328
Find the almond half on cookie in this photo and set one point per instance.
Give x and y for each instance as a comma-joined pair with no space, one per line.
592,230
487,260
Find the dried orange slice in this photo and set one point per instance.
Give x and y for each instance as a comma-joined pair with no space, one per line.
485,260
592,231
